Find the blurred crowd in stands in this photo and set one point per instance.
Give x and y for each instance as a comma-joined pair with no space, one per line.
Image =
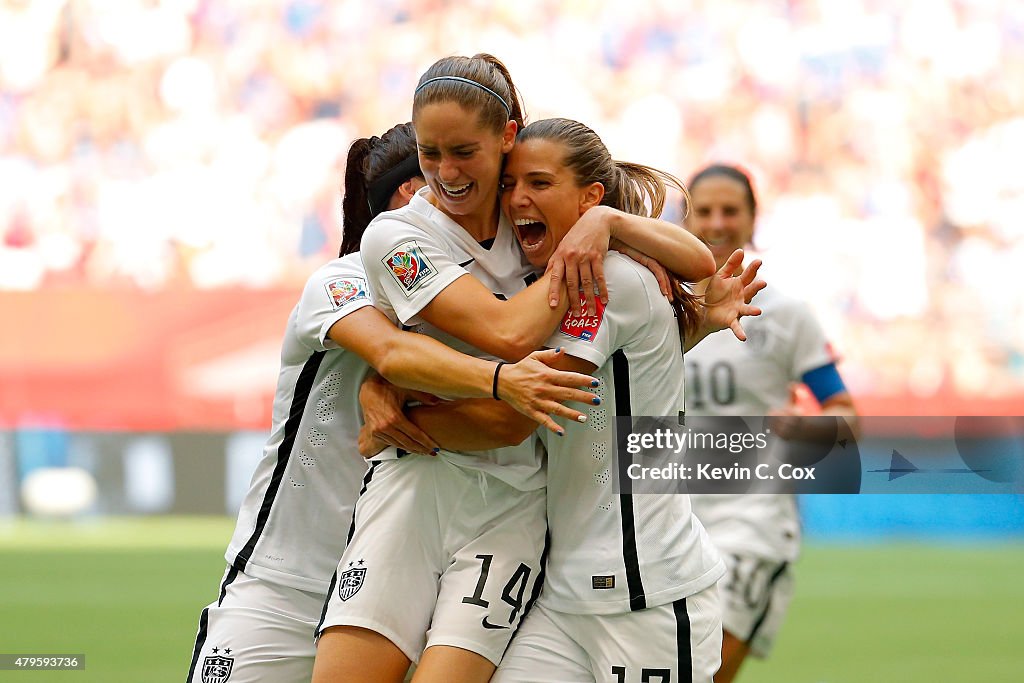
200,143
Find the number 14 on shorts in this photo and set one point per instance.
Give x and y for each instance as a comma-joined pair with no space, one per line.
512,593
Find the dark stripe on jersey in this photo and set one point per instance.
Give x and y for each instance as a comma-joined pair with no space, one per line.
768,602
366,483
327,601
630,556
684,658
200,641
303,387
466,263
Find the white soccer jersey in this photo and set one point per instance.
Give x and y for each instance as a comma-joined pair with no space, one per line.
725,376
615,553
294,520
411,255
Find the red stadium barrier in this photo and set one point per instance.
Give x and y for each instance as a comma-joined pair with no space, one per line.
201,359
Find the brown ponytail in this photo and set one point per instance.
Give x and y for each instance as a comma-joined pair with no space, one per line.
370,160
355,209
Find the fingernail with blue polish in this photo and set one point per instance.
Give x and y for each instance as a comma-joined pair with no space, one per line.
560,432
558,349
596,401
595,383
436,451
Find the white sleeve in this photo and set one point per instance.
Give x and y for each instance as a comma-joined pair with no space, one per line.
810,348
406,266
334,291
596,337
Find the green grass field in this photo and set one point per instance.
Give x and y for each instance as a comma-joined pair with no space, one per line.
128,595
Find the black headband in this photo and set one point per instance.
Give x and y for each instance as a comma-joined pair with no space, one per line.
380,190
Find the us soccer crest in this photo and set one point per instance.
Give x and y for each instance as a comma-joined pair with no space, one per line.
344,290
349,582
410,268
757,338
217,669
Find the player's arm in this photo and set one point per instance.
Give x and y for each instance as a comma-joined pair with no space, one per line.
495,425
676,248
508,329
794,421
466,309
419,362
511,329
494,430
449,298
834,399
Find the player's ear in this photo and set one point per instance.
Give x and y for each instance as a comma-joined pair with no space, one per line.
508,136
590,196
403,195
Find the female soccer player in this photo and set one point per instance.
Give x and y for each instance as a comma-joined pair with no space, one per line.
445,551
293,522
758,534
629,590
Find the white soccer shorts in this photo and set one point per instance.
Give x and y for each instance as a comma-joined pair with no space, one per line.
672,643
440,555
755,598
256,631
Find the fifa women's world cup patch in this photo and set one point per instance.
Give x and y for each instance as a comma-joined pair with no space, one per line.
344,290
583,327
409,266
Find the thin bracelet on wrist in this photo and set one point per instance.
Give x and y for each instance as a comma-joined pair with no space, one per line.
494,384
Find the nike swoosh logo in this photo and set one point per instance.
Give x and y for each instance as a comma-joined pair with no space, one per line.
488,624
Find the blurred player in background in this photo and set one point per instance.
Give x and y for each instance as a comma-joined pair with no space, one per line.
292,524
786,349
445,551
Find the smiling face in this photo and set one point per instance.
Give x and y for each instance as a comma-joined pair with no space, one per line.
461,159
721,215
541,197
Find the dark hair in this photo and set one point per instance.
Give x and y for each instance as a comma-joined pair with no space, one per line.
369,161
733,173
628,187
496,107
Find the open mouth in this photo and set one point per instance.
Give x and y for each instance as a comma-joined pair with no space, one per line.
455,191
531,232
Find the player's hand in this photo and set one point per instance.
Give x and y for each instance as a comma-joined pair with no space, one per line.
538,391
368,444
786,422
384,421
579,261
727,296
652,264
